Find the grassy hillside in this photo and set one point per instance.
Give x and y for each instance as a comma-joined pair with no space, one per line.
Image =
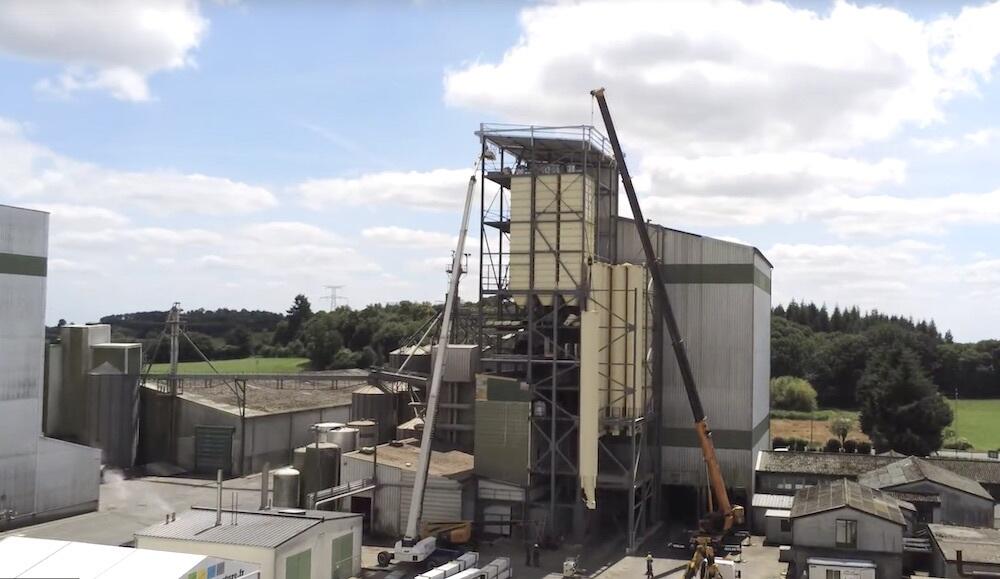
241,365
979,421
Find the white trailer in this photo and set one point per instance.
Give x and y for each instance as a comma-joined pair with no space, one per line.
843,568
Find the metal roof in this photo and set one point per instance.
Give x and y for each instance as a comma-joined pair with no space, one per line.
452,464
849,465
766,501
778,513
253,528
841,493
913,469
31,557
978,545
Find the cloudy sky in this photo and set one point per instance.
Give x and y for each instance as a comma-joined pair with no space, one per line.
237,153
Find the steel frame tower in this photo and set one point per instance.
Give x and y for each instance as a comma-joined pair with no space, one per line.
530,329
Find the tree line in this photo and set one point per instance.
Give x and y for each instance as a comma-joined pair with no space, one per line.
343,338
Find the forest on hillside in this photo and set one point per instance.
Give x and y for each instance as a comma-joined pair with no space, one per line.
829,348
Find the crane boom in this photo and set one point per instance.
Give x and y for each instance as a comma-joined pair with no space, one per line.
717,483
411,548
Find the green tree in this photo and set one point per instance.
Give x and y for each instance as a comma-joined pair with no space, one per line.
321,340
835,368
790,393
240,339
901,408
841,427
295,318
791,346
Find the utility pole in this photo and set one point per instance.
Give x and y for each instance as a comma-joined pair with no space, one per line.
333,297
174,329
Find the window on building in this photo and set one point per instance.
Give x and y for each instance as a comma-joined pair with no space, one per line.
833,574
343,557
299,566
847,533
786,526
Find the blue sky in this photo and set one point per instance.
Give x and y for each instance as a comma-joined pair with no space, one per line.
235,154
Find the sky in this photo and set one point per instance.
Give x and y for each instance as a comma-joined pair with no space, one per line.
234,154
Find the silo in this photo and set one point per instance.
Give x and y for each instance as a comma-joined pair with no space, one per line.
371,403
412,428
286,488
346,438
403,398
299,458
367,432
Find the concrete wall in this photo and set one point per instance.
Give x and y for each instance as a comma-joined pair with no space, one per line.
77,362
957,507
773,532
69,478
269,437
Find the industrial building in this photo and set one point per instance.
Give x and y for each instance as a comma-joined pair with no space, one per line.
40,478
940,495
593,398
92,392
980,550
27,557
841,520
283,543
449,495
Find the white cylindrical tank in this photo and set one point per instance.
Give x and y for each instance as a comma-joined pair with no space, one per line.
286,488
367,432
346,438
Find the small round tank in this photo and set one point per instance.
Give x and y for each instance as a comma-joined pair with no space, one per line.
286,488
367,432
346,438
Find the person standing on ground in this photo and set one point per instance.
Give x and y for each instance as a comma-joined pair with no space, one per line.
649,566
536,555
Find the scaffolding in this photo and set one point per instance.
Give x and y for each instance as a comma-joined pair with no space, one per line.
548,213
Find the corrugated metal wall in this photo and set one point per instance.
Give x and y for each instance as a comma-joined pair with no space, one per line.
502,439
564,230
23,235
724,316
442,498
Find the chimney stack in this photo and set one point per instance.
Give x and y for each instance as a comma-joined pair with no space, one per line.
218,502
264,474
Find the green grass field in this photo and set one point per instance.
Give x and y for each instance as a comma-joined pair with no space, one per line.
241,365
978,421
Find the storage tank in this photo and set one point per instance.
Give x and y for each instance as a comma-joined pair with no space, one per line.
299,458
286,488
367,433
420,361
401,392
321,428
371,403
321,469
346,438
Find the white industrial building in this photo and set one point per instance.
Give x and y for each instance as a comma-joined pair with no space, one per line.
283,543
40,478
449,496
28,557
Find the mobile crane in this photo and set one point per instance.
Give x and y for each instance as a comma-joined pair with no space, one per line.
412,547
720,521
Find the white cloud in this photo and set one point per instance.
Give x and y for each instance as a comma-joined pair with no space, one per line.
697,76
114,46
33,174
436,190
393,236
979,138
744,113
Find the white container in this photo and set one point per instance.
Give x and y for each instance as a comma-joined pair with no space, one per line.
468,560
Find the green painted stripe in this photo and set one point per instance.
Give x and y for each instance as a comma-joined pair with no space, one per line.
14,264
730,439
687,273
